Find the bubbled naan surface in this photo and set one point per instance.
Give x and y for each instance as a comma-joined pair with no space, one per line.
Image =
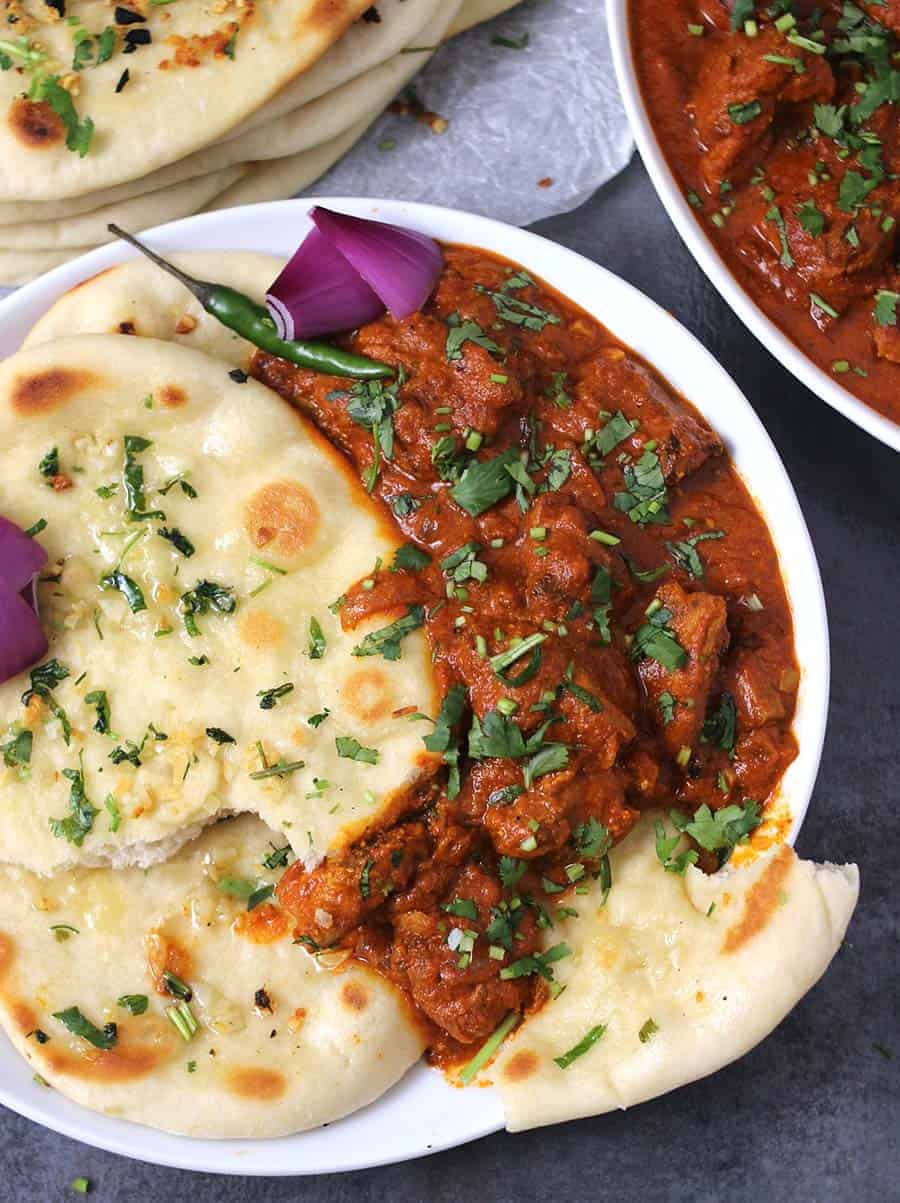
269,488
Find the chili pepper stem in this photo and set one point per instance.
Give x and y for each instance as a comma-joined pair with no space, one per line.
200,288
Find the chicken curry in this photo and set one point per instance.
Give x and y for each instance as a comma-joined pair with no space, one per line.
781,122
607,620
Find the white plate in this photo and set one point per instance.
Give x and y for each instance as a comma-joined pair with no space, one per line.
423,1114
685,222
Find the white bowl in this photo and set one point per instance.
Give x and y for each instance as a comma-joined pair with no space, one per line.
424,1114
685,222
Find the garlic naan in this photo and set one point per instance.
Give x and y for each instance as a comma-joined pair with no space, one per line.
201,536
283,1043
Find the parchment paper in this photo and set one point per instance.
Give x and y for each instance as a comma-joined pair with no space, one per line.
548,112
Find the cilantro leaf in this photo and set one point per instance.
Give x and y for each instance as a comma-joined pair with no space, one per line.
78,133
646,498
411,558
80,821
386,641
485,482
460,332
349,748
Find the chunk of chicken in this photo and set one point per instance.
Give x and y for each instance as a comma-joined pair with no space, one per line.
336,896
459,988
613,381
699,623
740,92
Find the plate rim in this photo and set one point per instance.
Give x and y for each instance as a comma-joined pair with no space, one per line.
705,254
260,228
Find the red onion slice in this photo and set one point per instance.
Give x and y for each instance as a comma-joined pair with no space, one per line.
319,292
402,266
21,557
22,638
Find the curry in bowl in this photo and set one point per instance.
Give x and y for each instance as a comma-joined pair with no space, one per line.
780,122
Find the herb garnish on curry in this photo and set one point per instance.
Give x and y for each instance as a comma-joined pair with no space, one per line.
780,121
608,625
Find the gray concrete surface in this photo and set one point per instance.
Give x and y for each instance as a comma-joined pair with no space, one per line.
811,1115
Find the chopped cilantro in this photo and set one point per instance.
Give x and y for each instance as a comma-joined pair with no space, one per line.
485,482
386,641
268,698
349,748
410,558
79,1025
80,820
646,498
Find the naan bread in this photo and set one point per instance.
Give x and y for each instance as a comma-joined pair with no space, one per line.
281,155
314,1046
326,116
278,179
366,44
190,85
278,519
138,213
137,297
685,973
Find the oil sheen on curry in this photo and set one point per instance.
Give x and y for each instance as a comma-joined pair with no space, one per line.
607,619
780,121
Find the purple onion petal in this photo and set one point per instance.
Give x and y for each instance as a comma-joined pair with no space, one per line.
402,266
22,638
21,557
319,292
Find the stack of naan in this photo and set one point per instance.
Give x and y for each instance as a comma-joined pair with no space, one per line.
201,720
145,111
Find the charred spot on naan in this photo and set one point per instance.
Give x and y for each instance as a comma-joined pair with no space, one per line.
35,124
140,1048
164,955
41,392
261,630
172,397
368,695
282,517
354,996
254,1082
22,1016
521,1066
762,902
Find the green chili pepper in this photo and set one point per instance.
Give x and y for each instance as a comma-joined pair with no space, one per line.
252,321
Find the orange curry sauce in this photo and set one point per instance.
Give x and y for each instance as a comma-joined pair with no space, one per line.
781,122
658,667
